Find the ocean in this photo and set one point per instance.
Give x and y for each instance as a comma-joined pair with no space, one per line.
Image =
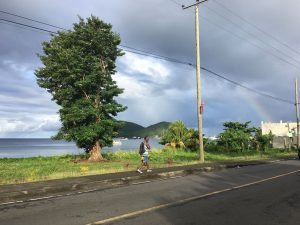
24,148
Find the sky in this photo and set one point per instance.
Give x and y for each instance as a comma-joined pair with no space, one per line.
253,43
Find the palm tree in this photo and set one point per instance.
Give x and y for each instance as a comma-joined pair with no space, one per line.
177,135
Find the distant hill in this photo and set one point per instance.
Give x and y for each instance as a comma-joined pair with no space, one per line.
130,129
155,129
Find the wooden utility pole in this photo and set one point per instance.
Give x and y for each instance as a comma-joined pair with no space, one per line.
297,112
198,78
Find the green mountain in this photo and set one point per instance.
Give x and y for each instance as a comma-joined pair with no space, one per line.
130,129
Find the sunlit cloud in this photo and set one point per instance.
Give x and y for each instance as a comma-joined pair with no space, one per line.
154,89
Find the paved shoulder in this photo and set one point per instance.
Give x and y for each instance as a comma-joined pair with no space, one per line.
100,205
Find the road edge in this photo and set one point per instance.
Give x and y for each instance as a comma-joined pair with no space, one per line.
69,188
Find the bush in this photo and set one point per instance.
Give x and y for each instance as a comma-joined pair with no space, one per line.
179,136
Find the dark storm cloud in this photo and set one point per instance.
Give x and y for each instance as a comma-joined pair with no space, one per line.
165,91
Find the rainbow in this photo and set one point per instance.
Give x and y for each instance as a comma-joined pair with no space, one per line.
259,108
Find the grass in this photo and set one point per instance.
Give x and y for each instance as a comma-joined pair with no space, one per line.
24,170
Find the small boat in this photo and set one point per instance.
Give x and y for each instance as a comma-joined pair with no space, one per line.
117,142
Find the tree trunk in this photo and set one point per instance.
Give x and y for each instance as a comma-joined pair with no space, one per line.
95,153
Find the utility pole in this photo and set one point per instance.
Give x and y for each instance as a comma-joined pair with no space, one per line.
297,112
198,77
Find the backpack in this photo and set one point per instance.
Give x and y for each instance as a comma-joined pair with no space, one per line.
142,149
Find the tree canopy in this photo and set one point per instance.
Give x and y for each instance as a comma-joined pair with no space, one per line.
77,71
239,136
236,137
179,136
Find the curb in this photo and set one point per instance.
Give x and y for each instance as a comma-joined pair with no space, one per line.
69,188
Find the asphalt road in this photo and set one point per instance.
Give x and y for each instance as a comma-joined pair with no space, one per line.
264,194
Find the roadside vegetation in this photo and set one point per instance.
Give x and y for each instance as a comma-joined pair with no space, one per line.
237,142
236,137
24,170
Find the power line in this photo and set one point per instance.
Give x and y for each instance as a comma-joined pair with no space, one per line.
175,2
266,51
124,46
254,36
197,3
247,88
257,27
26,25
149,54
33,20
127,48
22,27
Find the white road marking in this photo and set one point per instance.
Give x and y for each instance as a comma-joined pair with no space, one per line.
186,200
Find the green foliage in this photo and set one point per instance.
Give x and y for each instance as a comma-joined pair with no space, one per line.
177,135
191,141
77,71
262,141
210,145
236,136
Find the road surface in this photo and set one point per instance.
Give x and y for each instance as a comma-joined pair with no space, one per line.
263,194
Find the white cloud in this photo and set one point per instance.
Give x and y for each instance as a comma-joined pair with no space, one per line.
132,87
146,66
32,125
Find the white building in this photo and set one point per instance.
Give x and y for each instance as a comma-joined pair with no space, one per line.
278,129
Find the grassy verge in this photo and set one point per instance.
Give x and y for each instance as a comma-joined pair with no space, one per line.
23,170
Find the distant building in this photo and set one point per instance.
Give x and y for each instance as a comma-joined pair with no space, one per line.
213,138
278,129
284,134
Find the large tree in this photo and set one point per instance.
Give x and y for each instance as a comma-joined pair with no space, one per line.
77,71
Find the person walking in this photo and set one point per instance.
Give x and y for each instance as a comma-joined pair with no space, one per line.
144,154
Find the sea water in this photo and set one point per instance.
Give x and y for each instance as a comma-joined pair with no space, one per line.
20,148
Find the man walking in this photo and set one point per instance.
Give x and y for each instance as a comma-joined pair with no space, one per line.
144,154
